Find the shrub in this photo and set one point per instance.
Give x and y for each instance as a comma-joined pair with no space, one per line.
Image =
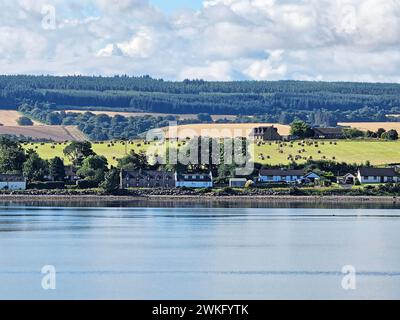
25,121
49,185
87,184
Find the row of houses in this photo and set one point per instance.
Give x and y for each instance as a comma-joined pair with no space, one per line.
167,179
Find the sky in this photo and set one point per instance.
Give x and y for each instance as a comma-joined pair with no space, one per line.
169,6
221,40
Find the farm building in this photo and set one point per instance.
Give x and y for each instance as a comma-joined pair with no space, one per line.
280,175
266,134
377,175
347,179
12,182
237,182
194,180
328,133
147,179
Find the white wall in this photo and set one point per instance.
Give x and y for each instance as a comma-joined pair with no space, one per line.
13,185
193,184
280,179
375,179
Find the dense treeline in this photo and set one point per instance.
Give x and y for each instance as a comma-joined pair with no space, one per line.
96,127
276,100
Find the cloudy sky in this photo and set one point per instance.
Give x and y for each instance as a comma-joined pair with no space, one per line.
345,40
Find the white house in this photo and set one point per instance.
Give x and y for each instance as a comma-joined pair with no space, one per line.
280,175
347,179
12,182
194,180
377,175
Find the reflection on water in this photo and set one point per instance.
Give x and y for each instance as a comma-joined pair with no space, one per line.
192,203
207,253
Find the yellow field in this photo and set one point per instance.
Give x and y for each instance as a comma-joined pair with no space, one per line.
220,130
350,151
373,126
141,114
56,133
10,118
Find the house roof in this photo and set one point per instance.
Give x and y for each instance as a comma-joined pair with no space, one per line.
146,173
281,172
4,177
380,172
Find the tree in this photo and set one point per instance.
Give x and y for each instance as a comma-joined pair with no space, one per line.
35,168
111,181
301,129
78,151
25,121
12,156
133,161
204,117
351,133
57,169
390,135
380,132
93,168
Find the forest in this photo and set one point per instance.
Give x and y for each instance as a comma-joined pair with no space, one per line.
318,103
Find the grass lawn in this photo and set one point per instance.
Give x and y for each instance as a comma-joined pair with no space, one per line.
350,151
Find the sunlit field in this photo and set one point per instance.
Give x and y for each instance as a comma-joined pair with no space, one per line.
273,153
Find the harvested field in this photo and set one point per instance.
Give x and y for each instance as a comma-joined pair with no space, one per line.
373,126
10,118
56,133
222,130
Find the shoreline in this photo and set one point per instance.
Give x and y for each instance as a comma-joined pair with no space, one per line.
200,199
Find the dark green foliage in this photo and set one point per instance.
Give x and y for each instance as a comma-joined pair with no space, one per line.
35,168
12,156
57,169
25,121
390,135
133,161
319,103
78,151
48,185
301,129
87,184
111,181
351,133
93,168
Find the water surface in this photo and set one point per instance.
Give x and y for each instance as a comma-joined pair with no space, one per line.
199,253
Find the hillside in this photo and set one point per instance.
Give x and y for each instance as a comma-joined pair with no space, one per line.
281,101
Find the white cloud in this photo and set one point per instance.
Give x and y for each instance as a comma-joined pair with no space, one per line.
224,40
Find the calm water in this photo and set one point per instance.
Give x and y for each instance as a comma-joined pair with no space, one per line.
199,253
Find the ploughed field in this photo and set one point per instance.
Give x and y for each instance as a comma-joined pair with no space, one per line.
274,153
55,133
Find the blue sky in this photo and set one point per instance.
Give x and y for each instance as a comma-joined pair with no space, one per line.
172,5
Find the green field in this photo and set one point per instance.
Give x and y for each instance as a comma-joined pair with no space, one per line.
350,151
